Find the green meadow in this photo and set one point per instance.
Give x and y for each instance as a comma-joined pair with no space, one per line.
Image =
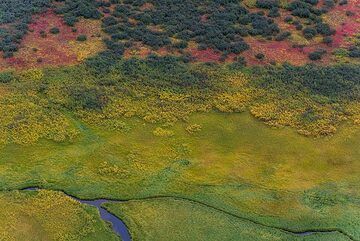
231,162
174,219
48,215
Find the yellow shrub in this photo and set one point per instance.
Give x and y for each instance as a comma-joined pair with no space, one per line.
163,132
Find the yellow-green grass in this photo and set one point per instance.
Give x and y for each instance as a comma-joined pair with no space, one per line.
49,215
177,220
232,162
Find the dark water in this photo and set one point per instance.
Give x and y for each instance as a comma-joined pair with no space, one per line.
305,233
118,226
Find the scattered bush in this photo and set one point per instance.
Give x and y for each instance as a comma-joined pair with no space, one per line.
43,34
282,36
54,30
6,77
349,13
327,40
274,12
260,56
239,62
81,38
324,29
288,19
309,32
329,3
354,52
317,54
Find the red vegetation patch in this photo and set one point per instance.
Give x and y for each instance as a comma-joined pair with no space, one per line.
204,18
140,50
282,51
146,6
207,55
274,51
37,50
346,26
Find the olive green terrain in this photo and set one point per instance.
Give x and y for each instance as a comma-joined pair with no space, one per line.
48,215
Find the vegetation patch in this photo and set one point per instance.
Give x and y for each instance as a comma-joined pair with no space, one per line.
41,48
193,221
49,215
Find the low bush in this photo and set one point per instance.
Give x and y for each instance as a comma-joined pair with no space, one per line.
81,38
317,54
54,30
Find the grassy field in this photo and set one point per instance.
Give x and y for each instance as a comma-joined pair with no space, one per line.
49,216
178,220
229,161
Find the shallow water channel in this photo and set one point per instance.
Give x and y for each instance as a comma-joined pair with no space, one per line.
119,226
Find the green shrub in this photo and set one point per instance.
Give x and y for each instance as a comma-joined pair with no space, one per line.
6,77
316,55
260,56
54,30
309,32
354,52
269,4
327,40
81,38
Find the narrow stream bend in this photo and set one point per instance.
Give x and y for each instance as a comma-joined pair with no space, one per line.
117,225
121,229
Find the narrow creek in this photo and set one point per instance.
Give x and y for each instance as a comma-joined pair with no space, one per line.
117,224
121,229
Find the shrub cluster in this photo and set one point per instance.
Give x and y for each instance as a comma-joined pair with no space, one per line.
73,9
16,14
219,25
308,9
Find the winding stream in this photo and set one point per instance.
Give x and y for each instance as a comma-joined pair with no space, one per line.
117,225
120,228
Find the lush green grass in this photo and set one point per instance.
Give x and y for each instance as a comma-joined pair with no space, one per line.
48,215
235,163
178,220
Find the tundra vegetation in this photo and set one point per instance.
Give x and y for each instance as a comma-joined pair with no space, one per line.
49,215
183,110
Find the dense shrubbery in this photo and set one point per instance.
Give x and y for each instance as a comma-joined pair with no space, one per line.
212,25
354,52
16,14
269,4
334,82
308,10
172,24
166,89
312,99
317,54
73,9
219,25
